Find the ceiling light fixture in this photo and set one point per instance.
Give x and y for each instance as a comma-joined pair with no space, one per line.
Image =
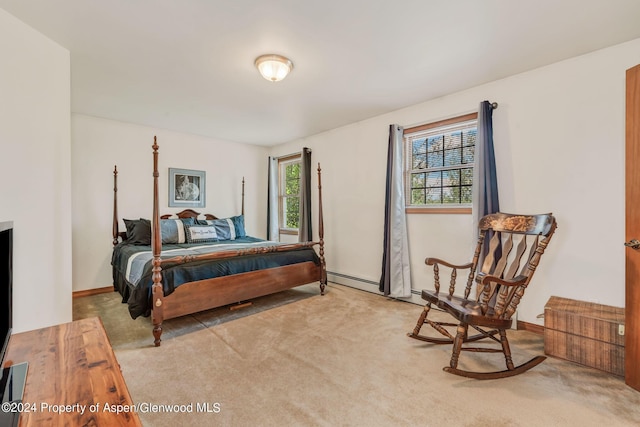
273,67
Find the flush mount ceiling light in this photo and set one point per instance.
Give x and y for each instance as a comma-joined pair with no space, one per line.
273,67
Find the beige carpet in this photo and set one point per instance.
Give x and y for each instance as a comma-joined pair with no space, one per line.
343,359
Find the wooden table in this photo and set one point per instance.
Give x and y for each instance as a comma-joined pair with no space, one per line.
73,373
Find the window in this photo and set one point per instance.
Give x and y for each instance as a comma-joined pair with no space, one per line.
289,194
439,165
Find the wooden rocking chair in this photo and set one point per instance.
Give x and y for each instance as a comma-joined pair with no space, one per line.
505,238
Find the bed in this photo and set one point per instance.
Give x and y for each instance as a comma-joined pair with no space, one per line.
165,273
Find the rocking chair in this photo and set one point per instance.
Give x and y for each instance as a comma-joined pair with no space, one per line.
504,239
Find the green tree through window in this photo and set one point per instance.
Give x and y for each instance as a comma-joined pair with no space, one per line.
292,196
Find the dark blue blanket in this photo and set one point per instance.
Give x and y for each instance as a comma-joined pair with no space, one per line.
138,297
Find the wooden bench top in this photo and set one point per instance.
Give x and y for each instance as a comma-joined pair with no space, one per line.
72,368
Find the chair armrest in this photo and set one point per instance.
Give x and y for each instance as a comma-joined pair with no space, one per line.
483,279
433,261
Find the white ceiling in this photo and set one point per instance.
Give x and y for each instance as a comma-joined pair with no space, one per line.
187,65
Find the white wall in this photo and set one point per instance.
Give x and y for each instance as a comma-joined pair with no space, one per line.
34,168
559,137
99,144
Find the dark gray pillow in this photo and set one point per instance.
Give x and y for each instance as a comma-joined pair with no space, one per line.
138,231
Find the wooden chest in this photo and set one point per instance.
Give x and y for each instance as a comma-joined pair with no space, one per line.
586,333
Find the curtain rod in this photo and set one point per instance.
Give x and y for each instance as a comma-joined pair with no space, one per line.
494,106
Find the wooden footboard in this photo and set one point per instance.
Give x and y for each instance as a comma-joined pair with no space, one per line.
211,293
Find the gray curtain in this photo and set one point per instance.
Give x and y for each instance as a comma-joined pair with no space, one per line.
305,232
485,180
273,231
396,275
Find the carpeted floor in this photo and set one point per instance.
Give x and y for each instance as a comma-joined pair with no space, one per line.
343,359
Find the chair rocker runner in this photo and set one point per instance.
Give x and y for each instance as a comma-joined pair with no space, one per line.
508,241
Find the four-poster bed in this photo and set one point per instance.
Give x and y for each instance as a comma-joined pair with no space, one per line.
188,278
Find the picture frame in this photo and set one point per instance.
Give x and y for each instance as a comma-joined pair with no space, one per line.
187,188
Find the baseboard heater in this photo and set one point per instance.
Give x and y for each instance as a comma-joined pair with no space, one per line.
370,285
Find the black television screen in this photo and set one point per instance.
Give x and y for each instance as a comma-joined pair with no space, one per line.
6,285
14,377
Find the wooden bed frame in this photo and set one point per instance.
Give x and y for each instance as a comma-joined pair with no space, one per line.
203,295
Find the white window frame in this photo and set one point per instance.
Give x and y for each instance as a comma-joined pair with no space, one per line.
431,129
282,197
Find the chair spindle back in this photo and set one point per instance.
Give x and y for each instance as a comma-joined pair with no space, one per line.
514,245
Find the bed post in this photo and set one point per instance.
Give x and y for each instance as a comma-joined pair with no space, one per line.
156,289
323,264
114,229
242,196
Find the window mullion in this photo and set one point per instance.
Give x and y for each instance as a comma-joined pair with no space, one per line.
442,168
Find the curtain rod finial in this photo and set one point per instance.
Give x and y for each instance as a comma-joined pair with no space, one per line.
494,105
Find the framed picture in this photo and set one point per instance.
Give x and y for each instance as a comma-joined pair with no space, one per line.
186,188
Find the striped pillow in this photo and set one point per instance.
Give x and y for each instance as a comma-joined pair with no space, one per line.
238,222
172,231
225,229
